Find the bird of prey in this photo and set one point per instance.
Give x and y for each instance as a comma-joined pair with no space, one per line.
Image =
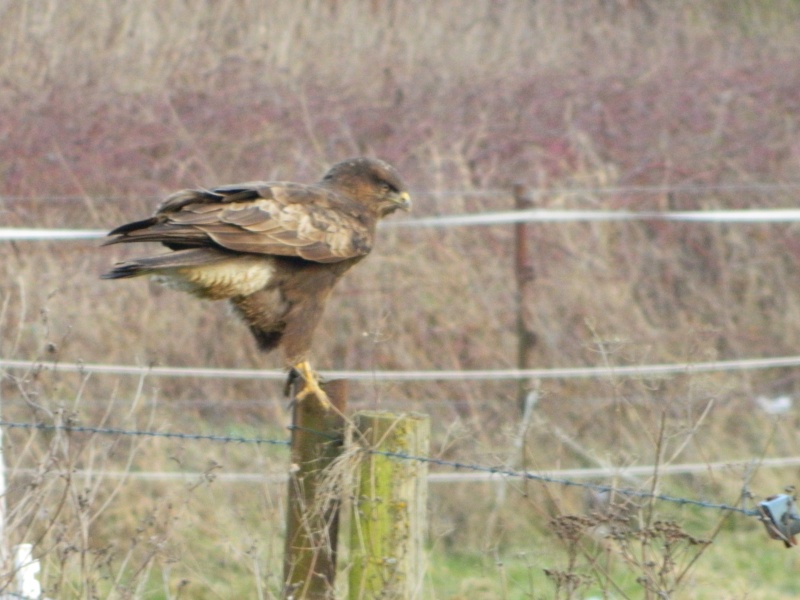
273,250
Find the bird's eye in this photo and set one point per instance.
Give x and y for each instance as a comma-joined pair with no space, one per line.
386,187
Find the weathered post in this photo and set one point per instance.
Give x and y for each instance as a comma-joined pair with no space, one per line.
525,275
3,543
389,508
312,513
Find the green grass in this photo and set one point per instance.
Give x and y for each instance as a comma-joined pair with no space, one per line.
739,565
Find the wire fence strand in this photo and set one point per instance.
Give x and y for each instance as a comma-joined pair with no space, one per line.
451,477
639,371
456,465
773,215
134,432
542,478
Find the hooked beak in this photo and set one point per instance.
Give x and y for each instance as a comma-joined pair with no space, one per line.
403,200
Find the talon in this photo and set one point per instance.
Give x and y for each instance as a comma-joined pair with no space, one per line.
291,379
311,386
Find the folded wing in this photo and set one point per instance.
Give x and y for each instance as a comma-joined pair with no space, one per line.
280,219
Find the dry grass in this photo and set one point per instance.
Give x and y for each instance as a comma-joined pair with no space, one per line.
115,105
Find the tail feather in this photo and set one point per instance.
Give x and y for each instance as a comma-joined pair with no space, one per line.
138,267
124,271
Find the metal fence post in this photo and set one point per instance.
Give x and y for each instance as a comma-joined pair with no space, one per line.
525,275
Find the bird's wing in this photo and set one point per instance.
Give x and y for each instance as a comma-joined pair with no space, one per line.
282,219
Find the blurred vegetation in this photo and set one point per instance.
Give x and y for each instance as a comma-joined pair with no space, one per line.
108,106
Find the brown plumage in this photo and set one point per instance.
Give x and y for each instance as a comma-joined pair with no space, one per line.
274,250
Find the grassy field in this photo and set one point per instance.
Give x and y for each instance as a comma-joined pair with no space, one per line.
636,104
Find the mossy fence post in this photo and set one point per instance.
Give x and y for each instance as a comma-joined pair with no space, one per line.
312,510
389,508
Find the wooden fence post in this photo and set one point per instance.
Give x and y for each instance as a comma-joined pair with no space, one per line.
312,513
525,275
389,508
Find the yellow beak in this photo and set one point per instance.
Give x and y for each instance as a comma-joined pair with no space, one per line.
403,200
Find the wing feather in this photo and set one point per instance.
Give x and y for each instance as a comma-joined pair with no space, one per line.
283,219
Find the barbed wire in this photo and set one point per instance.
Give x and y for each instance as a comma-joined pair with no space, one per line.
629,492
457,465
135,432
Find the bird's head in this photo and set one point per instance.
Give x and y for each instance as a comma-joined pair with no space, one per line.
372,181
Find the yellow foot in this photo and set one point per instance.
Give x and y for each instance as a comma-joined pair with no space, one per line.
311,385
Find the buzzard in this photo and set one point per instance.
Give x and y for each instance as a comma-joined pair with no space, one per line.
273,250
